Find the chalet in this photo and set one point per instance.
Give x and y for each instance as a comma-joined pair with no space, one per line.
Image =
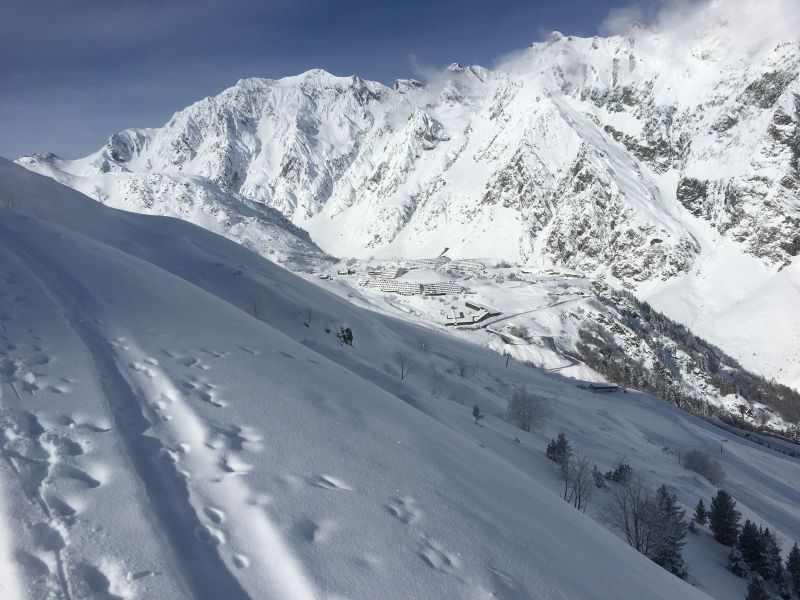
478,314
458,317
603,388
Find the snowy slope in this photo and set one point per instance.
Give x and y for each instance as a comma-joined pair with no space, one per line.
161,442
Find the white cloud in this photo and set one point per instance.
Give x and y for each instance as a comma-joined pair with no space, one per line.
741,26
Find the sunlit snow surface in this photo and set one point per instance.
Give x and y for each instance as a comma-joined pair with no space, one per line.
158,441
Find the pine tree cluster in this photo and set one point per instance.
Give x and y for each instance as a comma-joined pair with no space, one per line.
756,550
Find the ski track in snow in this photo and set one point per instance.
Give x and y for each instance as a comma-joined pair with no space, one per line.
139,396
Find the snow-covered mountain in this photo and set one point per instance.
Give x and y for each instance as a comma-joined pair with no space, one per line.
664,158
257,456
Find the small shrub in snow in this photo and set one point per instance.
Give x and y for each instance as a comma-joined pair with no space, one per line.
702,464
599,479
477,413
345,335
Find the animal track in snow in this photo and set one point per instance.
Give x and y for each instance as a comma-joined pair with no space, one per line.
235,438
209,536
141,367
60,445
436,558
315,532
119,344
234,465
39,359
241,561
404,508
203,391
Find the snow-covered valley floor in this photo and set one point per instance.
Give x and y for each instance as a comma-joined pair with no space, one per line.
159,441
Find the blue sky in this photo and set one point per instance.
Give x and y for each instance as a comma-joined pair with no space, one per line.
72,72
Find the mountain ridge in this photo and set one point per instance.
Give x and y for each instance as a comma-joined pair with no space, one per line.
646,158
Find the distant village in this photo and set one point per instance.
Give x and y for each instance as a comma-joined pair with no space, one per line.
389,279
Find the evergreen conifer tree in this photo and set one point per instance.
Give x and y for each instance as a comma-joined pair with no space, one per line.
700,514
784,583
669,530
559,450
736,564
773,562
793,566
751,545
724,518
756,591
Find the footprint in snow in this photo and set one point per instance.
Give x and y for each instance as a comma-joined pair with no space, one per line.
70,472
216,515
47,538
39,359
99,585
59,507
327,482
32,566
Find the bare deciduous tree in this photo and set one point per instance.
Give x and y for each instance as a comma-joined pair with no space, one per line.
629,509
436,386
527,410
578,481
405,364
257,304
461,367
